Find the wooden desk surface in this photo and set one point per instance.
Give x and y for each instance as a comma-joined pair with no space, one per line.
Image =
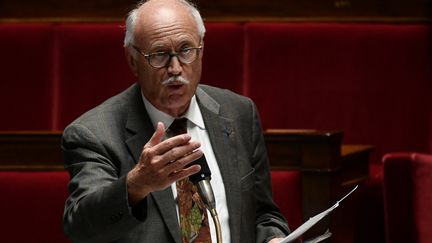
31,150
28,150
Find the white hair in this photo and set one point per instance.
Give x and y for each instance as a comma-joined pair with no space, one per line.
133,15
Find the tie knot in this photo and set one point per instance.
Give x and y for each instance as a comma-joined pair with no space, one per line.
178,126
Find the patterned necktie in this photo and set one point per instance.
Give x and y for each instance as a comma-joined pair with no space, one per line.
194,223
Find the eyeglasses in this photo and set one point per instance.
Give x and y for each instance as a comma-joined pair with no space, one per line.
161,59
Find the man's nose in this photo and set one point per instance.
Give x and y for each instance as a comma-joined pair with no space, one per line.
174,66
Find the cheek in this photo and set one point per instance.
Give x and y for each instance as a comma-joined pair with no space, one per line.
149,75
150,83
195,74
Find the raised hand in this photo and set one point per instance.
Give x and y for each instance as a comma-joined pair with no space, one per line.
161,163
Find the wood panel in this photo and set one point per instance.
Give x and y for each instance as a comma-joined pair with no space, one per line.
328,170
30,150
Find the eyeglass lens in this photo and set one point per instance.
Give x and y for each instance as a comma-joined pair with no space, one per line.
185,56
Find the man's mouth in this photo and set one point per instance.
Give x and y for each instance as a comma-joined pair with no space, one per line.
175,85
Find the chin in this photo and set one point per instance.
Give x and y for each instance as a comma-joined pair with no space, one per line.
179,105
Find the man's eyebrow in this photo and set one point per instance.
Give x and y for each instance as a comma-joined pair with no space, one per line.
165,46
158,47
188,42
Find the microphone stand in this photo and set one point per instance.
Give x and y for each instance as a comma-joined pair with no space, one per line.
206,192
217,225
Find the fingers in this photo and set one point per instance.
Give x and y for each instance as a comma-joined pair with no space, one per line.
161,152
178,175
163,162
181,165
157,136
176,149
170,150
161,148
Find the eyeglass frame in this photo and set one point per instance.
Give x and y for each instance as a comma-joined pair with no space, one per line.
170,54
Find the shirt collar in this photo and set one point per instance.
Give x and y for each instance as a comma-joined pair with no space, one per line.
193,114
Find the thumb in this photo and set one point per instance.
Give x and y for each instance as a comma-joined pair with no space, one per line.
157,135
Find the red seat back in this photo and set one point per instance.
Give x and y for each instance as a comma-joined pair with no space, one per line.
372,81
31,206
26,88
287,195
91,67
408,197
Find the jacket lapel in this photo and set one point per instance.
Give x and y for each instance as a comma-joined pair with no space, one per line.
222,138
139,131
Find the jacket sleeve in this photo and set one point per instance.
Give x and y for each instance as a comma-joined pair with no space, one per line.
97,209
269,221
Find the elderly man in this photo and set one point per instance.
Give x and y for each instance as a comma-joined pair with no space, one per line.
127,164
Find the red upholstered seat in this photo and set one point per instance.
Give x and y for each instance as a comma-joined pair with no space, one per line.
408,197
372,81
32,203
92,67
31,206
26,87
223,56
287,195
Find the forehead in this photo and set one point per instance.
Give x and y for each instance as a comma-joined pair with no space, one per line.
161,24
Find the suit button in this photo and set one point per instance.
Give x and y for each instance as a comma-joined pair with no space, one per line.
116,217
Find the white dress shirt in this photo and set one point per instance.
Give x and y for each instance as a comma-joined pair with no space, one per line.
196,129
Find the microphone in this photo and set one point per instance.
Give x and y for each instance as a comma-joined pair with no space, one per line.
202,181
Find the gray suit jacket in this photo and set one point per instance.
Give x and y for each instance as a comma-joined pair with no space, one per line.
104,144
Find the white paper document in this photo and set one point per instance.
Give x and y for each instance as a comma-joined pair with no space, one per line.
312,221
319,238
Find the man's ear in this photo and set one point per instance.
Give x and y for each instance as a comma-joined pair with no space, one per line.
131,61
